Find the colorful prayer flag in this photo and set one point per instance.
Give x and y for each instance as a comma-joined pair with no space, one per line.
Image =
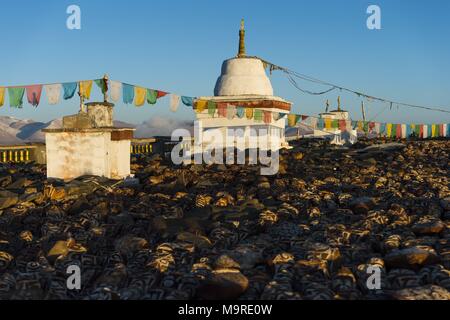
174,102
161,94
211,108
231,111
151,96
85,88
342,125
292,120
200,105
377,128
222,109
34,94
434,131
383,129
102,84
2,96
240,111
116,88
258,116
407,130
335,124
365,127
140,95
127,93
53,92
249,113
267,117
69,89
187,101
16,96
320,123
389,130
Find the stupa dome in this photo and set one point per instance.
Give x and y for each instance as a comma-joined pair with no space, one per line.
243,76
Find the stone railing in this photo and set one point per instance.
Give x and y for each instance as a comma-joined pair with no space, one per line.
23,153
142,146
36,151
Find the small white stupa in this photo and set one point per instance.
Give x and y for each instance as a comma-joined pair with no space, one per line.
243,82
89,144
335,134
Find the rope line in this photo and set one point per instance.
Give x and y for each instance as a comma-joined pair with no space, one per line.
291,73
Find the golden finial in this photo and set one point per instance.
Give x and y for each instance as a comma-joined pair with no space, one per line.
241,52
339,103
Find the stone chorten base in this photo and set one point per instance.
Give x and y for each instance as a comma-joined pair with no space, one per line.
88,144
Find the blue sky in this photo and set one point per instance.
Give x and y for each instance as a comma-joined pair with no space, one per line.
178,46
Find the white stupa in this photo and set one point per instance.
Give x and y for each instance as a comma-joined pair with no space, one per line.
243,82
335,134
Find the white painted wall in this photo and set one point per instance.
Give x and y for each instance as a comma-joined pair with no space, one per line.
120,158
74,154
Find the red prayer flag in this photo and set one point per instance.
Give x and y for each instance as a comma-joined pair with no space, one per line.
160,94
342,125
421,131
34,94
267,117
398,133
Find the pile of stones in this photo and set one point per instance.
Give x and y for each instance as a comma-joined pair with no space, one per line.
315,230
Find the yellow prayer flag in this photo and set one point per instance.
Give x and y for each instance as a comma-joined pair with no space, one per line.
327,123
140,95
361,125
292,120
85,88
249,113
433,130
388,129
201,105
2,96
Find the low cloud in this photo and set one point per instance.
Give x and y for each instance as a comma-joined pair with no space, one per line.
160,126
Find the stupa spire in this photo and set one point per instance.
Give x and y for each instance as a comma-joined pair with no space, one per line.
241,52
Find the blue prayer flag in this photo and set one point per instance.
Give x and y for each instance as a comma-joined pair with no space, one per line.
187,101
128,93
69,89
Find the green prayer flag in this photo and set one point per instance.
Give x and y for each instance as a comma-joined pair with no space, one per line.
101,83
152,96
211,107
394,130
258,115
335,124
366,126
16,97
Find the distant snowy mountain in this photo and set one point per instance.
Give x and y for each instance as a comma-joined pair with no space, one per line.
16,131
